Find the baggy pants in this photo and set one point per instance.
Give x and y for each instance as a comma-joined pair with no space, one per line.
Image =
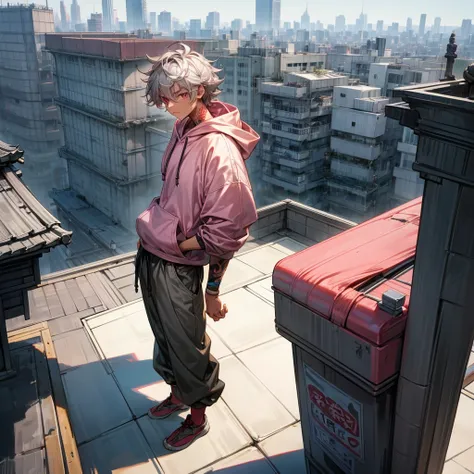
174,303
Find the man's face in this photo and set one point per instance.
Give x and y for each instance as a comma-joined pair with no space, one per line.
182,106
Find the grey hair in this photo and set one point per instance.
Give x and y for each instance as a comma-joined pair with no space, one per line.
184,67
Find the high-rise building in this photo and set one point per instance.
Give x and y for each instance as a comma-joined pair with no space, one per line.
340,23
113,146
287,25
237,25
64,22
296,130
437,26
268,14
95,23
421,29
362,155
395,27
408,184
276,14
136,14
305,20
75,14
27,87
153,21
213,21
195,28
466,28
107,15
409,25
164,23
115,19
296,25
379,30
361,22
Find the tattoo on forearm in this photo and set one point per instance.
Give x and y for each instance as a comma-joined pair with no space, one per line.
217,268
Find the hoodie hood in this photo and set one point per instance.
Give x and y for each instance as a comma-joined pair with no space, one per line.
226,120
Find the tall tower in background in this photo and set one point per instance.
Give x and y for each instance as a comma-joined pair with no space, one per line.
437,26
305,20
268,14
276,14
136,14
75,14
421,30
340,23
164,23
62,9
107,15
409,26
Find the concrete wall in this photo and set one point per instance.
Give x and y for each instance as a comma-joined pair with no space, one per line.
357,122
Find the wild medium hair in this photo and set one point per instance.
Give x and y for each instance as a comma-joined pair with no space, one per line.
184,67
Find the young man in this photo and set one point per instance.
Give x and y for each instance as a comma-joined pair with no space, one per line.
202,216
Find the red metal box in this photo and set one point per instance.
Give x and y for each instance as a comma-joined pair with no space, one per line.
330,296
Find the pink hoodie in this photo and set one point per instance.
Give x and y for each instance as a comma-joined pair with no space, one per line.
206,190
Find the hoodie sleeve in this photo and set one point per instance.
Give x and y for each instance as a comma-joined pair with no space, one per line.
229,209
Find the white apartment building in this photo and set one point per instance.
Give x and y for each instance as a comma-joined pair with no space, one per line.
296,129
408,184
362,153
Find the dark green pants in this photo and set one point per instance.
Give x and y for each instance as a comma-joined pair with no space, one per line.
174,303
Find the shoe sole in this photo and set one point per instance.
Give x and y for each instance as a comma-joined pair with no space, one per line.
154,417
184,446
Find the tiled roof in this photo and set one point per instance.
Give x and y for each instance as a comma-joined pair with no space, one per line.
25,225
9,154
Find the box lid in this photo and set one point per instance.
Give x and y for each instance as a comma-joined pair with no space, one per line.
344,277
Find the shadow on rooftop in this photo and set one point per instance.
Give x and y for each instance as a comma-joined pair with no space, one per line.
112,451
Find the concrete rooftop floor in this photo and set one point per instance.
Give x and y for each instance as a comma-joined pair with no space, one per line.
107,373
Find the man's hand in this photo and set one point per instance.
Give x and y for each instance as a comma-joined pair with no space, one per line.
214,307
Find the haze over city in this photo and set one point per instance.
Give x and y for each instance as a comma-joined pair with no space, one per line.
291,11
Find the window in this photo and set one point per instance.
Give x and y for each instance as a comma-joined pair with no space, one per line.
353,124
342,94
375,76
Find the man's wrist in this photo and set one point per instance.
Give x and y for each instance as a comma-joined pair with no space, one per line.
212,293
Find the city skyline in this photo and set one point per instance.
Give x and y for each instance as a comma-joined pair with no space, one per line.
290,11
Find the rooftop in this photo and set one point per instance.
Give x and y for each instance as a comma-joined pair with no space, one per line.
89,329
114,46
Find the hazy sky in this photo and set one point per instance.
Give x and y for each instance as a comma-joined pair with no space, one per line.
291,10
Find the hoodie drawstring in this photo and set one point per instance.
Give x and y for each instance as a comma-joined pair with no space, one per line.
181,160
163,175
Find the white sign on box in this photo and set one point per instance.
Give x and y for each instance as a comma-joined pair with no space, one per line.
336,421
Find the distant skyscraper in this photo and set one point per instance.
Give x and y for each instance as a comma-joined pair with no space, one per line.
437,25
421,30
107,15
164,23
62,9
153,21
75,14
268,14
340,23
409,26
395,27
466,28
237,24
296,25
276,14
213,21
115,19
361,22
195,28
136,14
305,20
94,23
379,27
287,25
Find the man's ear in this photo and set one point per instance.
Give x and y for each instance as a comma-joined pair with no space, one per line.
201,91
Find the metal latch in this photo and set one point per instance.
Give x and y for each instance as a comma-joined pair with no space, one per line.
392,302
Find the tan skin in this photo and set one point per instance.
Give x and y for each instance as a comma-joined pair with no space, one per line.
181,108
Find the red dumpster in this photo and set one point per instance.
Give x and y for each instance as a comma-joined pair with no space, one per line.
343,304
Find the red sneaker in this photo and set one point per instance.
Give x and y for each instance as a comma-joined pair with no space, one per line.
165,409
186,434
